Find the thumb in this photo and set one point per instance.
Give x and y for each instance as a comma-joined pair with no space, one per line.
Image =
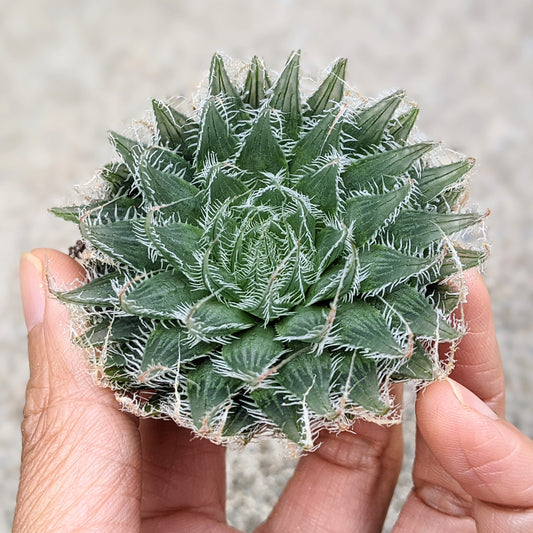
56,366
491,459
80,454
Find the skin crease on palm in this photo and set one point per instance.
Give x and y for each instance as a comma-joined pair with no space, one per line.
87,466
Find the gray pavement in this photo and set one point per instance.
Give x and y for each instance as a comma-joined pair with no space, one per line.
71,70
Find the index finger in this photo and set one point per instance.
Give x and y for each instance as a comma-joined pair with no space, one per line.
478,364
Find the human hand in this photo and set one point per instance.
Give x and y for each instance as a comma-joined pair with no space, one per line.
473,471
87,466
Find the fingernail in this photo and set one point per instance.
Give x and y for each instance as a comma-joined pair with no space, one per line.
469,399
32,289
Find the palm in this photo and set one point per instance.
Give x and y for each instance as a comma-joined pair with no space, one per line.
183,480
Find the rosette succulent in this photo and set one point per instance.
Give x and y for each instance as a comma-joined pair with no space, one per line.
269,263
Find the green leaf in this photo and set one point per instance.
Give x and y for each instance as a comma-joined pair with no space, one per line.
403,125
329,246
384,267
286,97
169,187
319,140
256,85
421,228
169,124
370,212
381,167
111,330
368,127
308,324
102,210
208,393
210,319
287,417
163,295
360,326
120,240
220,281
434,180
307,376
68,213
418,366
467,258
216,137
358,377
118,176
253,353
99,292
331,90
128,149
221,88
261,151
170,346
320,186
222,186
116,363
220,84
337,280
452,199
238,418
446,297
168,161
175,130
176,241
302,221
418,313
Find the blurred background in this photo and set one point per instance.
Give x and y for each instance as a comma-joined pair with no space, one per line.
71,70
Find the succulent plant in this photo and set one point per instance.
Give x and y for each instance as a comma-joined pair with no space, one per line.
269,264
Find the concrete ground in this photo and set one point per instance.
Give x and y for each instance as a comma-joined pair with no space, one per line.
71,70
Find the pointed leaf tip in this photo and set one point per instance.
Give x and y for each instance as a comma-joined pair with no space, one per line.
257,84
331,91
368,213
384,267
404,124
434,180
208,392
169,124
261,151
319,140
98,292
383,166
286,96
321,186
128,149
368,127
216,136
219,82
